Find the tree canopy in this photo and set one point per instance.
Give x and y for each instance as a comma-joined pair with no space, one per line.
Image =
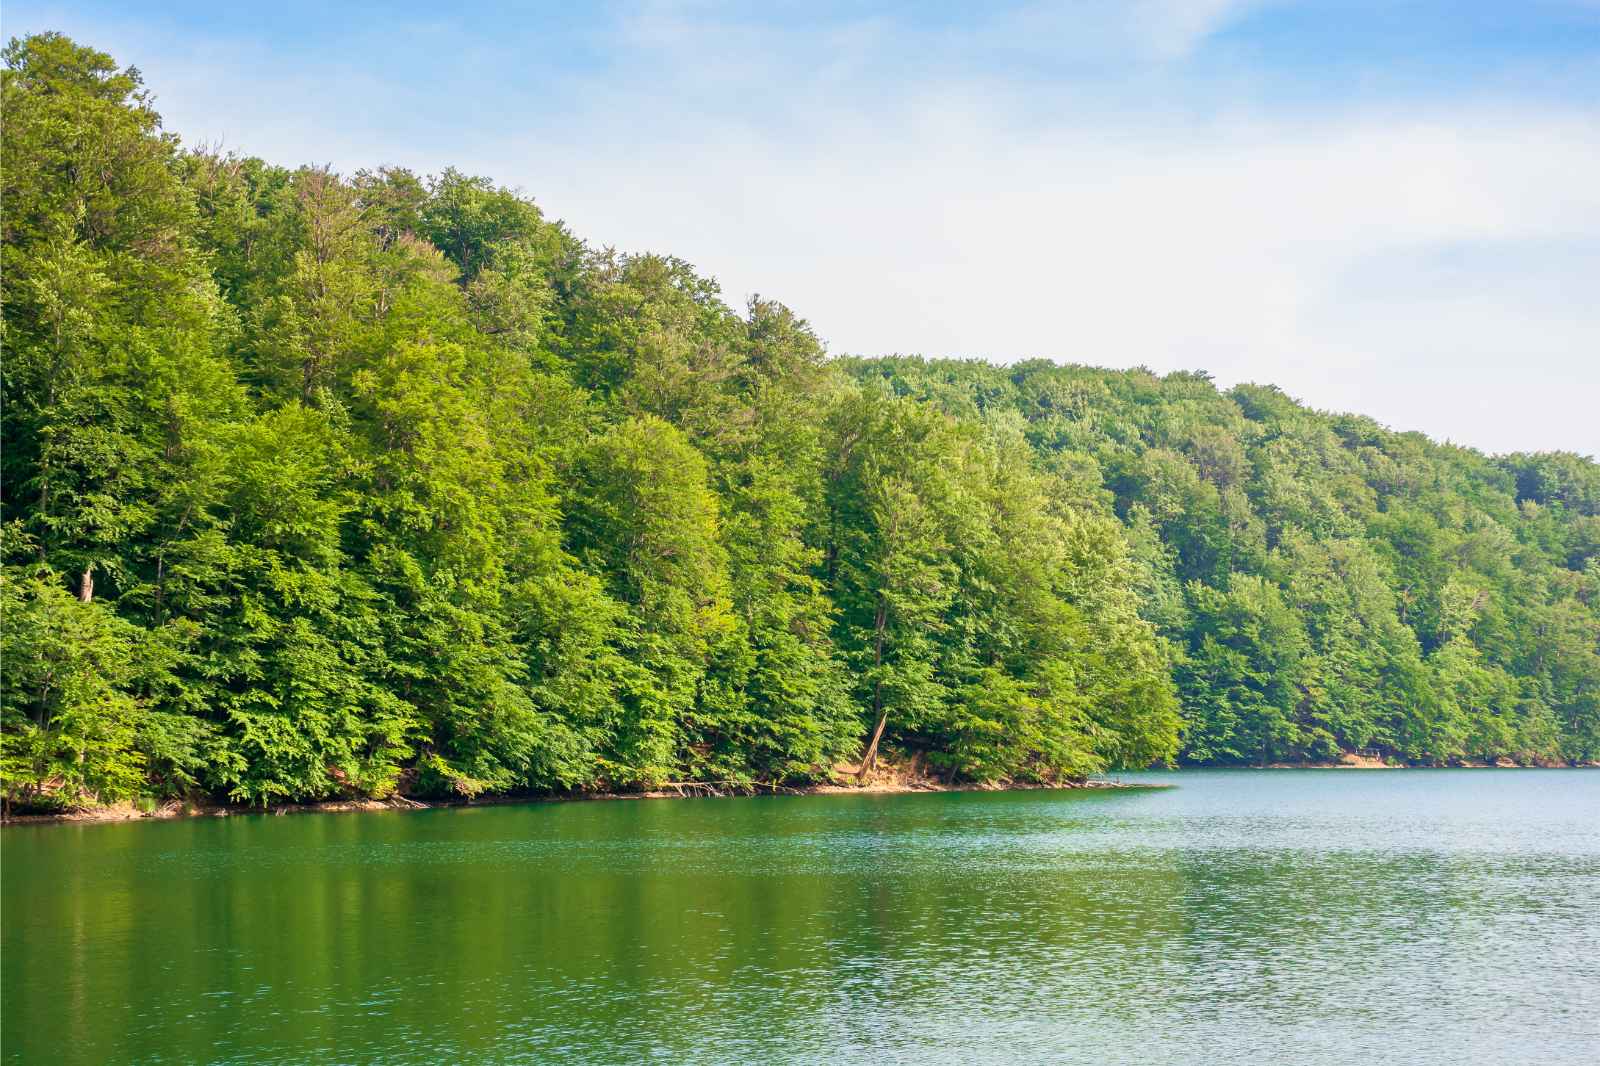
326,485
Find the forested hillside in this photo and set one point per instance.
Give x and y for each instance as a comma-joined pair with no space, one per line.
322,485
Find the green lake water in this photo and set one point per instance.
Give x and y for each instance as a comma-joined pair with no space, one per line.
1261,917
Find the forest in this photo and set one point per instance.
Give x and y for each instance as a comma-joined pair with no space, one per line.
324,485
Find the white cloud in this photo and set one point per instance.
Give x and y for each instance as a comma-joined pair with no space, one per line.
1238,248
1174,28
859,172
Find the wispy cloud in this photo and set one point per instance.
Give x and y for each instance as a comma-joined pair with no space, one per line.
1312,256
1093,181
1175,27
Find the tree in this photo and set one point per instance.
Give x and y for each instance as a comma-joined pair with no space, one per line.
320,484
645,517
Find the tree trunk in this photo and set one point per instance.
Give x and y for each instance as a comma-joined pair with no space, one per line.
86,584
869,758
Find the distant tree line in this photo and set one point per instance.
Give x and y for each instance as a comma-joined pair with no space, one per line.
321,485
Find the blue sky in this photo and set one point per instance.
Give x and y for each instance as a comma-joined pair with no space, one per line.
1387,207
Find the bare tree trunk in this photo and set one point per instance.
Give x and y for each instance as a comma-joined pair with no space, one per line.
870,758
86,584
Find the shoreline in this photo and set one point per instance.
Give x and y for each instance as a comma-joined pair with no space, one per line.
1352,761
176,809
890,783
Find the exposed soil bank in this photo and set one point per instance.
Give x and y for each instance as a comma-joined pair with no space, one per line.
1353,761
888,780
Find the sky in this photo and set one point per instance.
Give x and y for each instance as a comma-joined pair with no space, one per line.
1383,206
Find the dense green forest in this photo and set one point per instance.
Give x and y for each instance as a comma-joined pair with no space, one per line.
324,484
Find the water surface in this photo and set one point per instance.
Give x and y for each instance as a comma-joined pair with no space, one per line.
1252,916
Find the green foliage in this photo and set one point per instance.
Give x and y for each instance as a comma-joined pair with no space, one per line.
645,517
322,485
80,725
1324,585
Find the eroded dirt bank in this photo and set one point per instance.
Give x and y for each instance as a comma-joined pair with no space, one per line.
888,779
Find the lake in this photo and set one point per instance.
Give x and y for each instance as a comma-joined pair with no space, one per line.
1242,916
